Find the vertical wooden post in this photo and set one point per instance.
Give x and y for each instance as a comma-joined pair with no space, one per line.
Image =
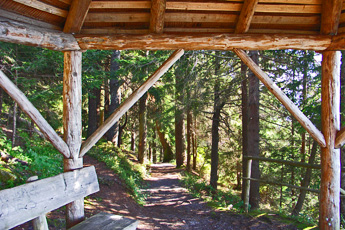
330,157
246,184
39,223
72,126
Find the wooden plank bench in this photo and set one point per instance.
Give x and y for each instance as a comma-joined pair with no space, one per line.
29,201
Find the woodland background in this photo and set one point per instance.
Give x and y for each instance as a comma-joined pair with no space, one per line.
205,114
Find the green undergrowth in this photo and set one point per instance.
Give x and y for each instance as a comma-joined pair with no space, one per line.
132,174
226,201
42,159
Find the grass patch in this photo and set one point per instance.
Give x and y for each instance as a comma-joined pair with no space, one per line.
117,160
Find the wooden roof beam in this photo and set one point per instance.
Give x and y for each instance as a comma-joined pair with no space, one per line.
76,16
157,16
15,32
276,91
331,10
206,42
246,16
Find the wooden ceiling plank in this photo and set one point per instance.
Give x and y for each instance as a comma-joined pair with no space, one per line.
204,6
157,16
283,8
292,20
304,2
43,7
198,17
282,31
76,16
120,5
246,16
117,17
27,20
207,42
330,16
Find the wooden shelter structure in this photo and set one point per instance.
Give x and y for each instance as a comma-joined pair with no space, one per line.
72,26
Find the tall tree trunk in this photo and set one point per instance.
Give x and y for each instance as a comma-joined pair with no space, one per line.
189,139
306,181
304,98
253,133
154,146
168,155
132,140
195,144
179,120
1,99
342,117
115,95
142,129
244,123
121,128
217,107
94,97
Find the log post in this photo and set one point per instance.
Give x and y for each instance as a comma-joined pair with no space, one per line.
246,184
72,127
330,157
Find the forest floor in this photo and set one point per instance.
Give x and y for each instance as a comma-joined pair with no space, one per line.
168,204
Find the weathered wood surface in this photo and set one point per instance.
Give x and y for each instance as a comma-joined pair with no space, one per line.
330,157
330,16
246,16
107,221
16,32
276,91
157,16
72,126
129,102
206,42
25,202
76,16
340,139
28,108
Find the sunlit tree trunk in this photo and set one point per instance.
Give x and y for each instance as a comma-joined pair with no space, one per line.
94,97
142,129
244,123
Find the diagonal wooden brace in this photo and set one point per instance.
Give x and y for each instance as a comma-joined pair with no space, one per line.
275,90
129,102
49,133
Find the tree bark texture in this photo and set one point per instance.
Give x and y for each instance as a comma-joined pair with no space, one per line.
253,132
330,122
244,123
168,155
189,139
179,120
306,181
115,95
72,125
195,144
142,129
154,146
94,97
217,107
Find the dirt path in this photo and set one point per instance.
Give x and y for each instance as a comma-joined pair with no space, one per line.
168,205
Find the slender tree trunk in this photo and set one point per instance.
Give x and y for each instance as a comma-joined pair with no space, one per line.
195,144
217,107
244,123
132,140
154,146
189,138
253,133
305,181
94,97
115,95
121,128
142,129
179,120
168,155
1,99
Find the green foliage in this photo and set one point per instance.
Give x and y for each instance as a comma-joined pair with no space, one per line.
42,158
132,174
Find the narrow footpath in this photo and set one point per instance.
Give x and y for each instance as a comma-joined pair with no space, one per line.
168,205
